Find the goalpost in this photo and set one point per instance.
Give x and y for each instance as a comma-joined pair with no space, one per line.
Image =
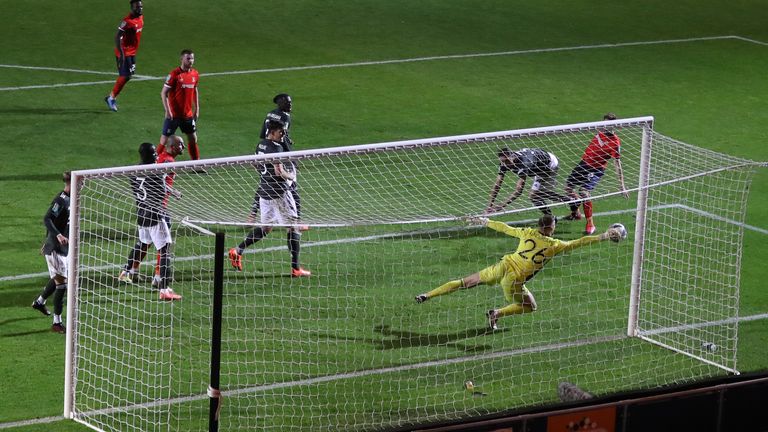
348,348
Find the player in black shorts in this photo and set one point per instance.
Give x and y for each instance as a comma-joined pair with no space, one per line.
536,163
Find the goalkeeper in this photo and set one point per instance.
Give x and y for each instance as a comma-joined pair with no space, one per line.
535,249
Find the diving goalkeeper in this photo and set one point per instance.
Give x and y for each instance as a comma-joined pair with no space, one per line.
535,249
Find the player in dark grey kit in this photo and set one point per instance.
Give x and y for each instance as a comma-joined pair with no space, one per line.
536,163
283,114
274,200
149,191
55,249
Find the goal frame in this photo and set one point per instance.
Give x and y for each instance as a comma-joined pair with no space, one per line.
79,175
638,248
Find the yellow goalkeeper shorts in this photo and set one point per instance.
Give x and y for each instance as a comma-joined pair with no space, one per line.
511,283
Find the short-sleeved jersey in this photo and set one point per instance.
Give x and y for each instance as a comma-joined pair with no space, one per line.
528,163
131,27
535,249
56,221
149,191
183,89
279,115
602,147
271,186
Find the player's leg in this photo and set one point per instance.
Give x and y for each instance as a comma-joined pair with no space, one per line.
39,303
58,303
135,257
538,200
297,199
125,71
294,245
166,275
169,128
287,213
594,178
520,301
157,278
590,227
548,189
57,268
189,127
161,238
267,209
450,287
487,276
571,183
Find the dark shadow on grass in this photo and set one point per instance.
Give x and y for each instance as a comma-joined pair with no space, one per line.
13,320
27,333
410,339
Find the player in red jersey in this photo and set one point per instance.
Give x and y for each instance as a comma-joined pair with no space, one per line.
181,101
174,148
126,45
604,146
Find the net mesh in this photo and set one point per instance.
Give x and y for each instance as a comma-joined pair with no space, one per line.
348,348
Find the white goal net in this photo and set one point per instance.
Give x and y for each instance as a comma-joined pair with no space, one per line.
348,348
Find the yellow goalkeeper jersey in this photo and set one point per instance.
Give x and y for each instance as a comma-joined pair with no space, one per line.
535,249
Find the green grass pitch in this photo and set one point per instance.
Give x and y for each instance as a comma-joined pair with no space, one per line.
707,92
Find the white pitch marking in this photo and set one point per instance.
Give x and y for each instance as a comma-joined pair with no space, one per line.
397,61
754,41
56,69
395,235
369,372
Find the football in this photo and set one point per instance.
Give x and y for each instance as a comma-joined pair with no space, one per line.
622,232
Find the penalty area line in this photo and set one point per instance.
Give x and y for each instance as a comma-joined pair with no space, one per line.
381,62
397,235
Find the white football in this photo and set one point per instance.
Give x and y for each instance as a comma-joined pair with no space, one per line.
622,231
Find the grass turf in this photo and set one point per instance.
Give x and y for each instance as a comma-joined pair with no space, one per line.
705,92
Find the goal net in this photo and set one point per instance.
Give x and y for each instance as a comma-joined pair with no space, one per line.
348,348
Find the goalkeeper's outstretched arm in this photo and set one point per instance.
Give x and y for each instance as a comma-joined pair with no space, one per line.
610,234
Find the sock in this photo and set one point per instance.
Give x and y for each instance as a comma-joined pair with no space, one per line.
194,152
58,299
119,84
294,238
165,268
137,254
574,208
588,209
296,199
57,319
538,201
513,309
446,288
50,287
157,265
255,235
160,148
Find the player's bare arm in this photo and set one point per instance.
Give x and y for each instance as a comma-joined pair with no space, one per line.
164,98
63,240
620,175
175,192
119,46
518,191
494,193
197,103
282,172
